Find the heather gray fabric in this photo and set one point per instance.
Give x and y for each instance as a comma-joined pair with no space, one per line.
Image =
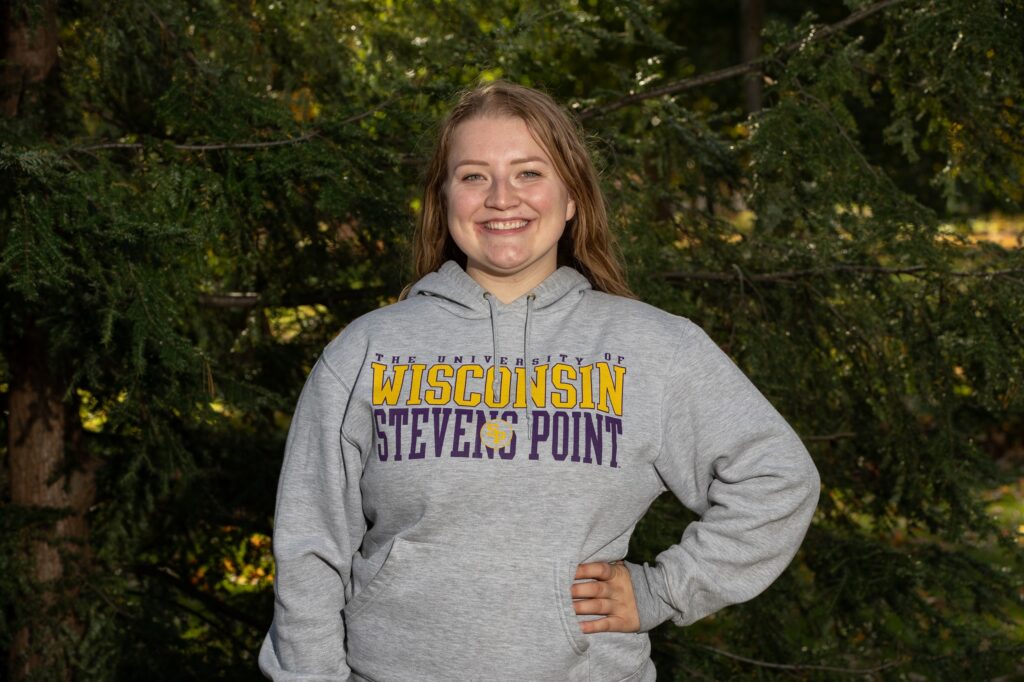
428,525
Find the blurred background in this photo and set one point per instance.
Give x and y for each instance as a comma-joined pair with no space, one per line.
197,195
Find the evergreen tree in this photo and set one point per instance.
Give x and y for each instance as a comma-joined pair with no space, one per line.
195,197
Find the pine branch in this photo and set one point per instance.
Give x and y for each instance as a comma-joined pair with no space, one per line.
233,299
204,147
786,275
109,601
827,110
800,666
247,299
839,435
370,112
214,146
222,609
751,66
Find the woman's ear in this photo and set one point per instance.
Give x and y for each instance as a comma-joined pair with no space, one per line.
570,210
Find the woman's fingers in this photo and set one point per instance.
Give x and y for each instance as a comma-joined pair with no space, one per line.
590,607
600,570
589,590
609,595
609,624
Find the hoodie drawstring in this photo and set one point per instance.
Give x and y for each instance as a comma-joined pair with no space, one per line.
495,382
527,333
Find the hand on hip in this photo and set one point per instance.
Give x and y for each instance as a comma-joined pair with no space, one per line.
609,595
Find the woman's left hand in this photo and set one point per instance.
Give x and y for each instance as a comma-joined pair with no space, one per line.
610,595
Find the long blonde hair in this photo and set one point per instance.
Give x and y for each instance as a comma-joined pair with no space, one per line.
587,243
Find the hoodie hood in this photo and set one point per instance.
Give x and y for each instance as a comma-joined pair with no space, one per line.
462,295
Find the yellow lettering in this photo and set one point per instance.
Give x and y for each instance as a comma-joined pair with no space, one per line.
504,387
586,387
464,397
610,387
520,387
387,392
563,393
539,386
440,391
414,384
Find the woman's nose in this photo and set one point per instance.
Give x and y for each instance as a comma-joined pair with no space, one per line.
502,194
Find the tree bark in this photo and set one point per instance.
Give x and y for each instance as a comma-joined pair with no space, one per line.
45,473
751,24
47,468
29,50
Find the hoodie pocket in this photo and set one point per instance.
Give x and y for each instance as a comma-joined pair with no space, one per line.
434,612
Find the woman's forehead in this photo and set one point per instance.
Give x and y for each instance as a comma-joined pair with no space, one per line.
494,138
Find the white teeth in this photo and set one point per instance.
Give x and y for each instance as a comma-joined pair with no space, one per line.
506,224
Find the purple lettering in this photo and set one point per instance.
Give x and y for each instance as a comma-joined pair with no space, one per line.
560,429
459,432
592,437
398,417
481,418
509,452
541,422
575,437
380,420
415,432
440,427
613,425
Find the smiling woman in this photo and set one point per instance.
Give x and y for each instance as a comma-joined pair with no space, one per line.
507,206
585,244
465,467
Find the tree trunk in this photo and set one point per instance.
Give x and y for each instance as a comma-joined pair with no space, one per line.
751,24
44,472
29,47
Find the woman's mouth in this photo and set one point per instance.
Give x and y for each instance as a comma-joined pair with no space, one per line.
505,225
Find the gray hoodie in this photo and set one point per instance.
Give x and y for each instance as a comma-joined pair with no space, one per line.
453,458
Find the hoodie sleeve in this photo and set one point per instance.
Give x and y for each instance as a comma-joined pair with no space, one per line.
730,457
318,526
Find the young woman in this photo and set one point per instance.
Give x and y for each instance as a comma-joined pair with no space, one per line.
465,467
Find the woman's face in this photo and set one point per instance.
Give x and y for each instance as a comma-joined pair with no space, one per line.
506,205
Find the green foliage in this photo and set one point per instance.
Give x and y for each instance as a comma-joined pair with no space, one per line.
224,185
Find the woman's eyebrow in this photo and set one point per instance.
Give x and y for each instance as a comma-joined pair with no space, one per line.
514,162
469,162
529,159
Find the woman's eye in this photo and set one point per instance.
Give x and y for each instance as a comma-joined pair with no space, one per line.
530,174
471,176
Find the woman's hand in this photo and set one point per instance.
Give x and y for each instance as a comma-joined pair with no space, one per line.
610,595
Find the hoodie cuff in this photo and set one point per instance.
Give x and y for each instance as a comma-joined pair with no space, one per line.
648,586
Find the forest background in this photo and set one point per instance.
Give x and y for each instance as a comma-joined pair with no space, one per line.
195,196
